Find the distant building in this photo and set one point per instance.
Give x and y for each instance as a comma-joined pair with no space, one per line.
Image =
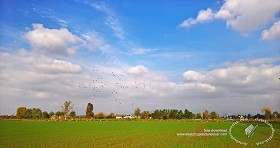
118,117
127,117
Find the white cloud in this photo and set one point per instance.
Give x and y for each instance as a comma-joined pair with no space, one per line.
203,16
192,75
39,81
34,77
263,61
272,33
52,41
139,69
58,66
241,15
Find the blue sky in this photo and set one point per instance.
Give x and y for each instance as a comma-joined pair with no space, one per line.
170,42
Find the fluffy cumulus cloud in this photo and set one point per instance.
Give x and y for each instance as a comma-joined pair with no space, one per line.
243,16
52,41
139,69
203,16
192,75
252,81
36,81
40,81
272,33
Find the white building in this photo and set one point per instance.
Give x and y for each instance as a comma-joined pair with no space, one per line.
127,117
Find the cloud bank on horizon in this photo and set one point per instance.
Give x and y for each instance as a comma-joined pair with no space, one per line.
119,56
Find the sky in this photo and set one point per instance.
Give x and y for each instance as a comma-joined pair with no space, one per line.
222,56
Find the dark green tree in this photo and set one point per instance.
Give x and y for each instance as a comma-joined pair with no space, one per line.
188,114
111,115
156,114
213,115
72,114
36,113
198,116
58,113
180,115
46,115
51,113
28,114
89,110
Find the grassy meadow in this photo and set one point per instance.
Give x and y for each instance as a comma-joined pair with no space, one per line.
125,134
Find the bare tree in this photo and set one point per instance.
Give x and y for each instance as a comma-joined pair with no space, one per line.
137,112
66,108
205,114
267,112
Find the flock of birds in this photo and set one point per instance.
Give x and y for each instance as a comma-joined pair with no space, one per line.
114,85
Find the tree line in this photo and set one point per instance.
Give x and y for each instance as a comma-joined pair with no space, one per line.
37,113
67,112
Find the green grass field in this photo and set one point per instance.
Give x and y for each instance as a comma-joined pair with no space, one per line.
124,134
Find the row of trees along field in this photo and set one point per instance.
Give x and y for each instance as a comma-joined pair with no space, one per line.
36,113
67,112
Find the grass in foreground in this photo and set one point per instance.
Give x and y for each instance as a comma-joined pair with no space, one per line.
118,134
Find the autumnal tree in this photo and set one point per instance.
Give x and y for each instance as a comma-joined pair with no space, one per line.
145,114
89,110
119,115
205,114
137,112
21,112
66,108
267,112
100,115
